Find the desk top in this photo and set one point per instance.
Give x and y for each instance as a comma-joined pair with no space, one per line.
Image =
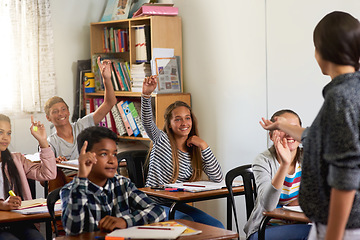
8,216
208,232
287,215
190,196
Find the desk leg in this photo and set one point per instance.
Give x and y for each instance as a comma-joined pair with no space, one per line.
172,210
48,230
228,213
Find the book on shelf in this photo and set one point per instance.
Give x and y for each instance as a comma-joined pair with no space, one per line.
89,105
120,127
117,77
137,119
130,118
116,10
138,73
115,40
151,9
124,119
142,43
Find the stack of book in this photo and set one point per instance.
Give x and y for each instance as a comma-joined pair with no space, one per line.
115,40
138,73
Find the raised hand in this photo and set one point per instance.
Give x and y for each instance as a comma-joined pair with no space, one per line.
37,129
105,68
149,84
269,125
86,161
196,141
282,148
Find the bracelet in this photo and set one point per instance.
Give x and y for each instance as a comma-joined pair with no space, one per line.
146,96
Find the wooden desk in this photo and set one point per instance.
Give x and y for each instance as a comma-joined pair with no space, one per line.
8,217
185,197
208,232
287,215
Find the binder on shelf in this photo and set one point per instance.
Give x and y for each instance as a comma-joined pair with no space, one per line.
97,103
156,9
137,119
124,118
120,127
89,105
130,118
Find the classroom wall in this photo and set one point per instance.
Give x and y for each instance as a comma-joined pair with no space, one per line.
242,60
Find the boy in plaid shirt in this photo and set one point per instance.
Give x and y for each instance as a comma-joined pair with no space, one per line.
98,198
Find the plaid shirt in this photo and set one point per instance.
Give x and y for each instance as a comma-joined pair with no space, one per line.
84,204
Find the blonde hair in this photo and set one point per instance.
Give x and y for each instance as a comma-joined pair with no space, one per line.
51,101
195,152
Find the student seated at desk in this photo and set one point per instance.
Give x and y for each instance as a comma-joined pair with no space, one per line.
178,154
98,198
15,170
277,174
63,140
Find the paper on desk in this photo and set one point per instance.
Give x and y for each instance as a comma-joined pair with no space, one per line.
155,232
293,208
34,210
33,203
72,162
200,186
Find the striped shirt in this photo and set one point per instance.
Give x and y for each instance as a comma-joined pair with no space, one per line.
161,166
290,189
84,204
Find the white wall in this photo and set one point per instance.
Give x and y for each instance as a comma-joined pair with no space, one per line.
242,60
247,59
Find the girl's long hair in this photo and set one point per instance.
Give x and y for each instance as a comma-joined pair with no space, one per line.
8,166
195,152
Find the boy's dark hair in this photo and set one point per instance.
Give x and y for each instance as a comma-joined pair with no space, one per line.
337,39
94,135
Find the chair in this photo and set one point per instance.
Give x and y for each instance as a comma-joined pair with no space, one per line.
135,160
32,186
50,201
247,175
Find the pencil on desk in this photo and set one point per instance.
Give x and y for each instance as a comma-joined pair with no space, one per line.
192,185
154,228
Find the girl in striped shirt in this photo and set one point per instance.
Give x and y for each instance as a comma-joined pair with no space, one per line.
177,154
277,174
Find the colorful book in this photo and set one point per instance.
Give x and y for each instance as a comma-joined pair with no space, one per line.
117,76
130,118
124,118
120,127
137,119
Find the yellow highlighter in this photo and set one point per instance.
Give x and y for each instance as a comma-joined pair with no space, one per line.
35,128
11,192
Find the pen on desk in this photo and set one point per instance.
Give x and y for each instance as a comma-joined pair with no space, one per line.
110,238
192,185
154,228
11,192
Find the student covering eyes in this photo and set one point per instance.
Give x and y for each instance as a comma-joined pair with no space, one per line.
15,170
178,154
98,198
277,174
329,190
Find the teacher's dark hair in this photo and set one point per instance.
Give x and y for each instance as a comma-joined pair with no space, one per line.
337,39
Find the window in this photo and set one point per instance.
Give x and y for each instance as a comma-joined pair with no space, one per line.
27,69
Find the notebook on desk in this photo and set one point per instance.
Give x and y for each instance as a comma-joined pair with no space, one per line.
144,232
200,186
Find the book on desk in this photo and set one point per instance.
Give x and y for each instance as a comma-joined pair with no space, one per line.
35,206
200,186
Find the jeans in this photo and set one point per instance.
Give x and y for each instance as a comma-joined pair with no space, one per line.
185,211
285,232
21,232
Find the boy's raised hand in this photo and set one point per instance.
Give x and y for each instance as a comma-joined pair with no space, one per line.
149,84
37,129
86,161
105,68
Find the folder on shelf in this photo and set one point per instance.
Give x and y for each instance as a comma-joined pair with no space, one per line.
130,118
124,118
157,9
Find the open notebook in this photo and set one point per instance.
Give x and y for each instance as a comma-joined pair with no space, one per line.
36,206
200,186
144,232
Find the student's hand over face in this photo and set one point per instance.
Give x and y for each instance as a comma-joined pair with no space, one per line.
86,161
37,129
282,148
110,223
269,125
12,202
105,70
149,85
196,141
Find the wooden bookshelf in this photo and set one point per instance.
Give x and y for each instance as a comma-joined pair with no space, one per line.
165,32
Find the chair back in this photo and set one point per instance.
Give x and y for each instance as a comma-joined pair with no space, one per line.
50,201
247,175
135,160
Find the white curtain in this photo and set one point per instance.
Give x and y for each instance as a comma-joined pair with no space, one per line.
27,69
